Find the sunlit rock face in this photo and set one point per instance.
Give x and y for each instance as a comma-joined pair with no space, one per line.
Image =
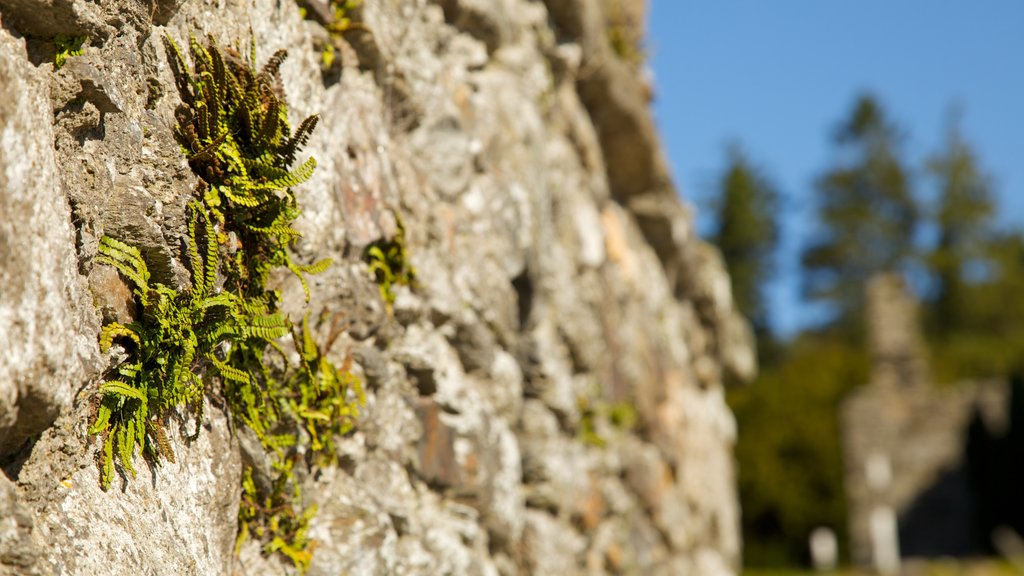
547,397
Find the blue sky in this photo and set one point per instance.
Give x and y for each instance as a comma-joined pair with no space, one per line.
777,76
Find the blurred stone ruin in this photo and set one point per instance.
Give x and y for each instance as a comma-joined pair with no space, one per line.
930,471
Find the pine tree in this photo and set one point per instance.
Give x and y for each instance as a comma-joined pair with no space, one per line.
867,213
963,220
747,234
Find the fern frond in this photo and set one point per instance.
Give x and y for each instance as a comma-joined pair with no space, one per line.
222,300
247,200
179,70
102,419
202,109
126,259
113,330
164,446
274,230
270,70
316,267
268,328
120,388
302,277
126,446
271,125
107,469
230,372
209,151
293,178
310,351
301,137
129,370
199,284
141,415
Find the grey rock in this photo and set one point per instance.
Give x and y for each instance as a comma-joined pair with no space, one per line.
49,325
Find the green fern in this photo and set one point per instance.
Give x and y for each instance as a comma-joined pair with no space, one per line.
223,331
325,399
236,136
273,519
389,264
66,46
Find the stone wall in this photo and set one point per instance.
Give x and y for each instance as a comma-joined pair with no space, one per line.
560,283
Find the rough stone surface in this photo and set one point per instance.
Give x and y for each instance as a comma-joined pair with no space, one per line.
547,398
49,330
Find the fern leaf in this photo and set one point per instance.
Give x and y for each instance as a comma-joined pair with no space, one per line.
102,419
230,372
202,110
141,416
129,371
211,97
248,107
270,70
209,151
200,56
199,285
310,351
291,148
274,230
269,327
179,70
219,73
302,278
316,267
126,446
126,259
293,178
157,430
121,389
107,470
247,200
271,125
212,252
113,330
224,299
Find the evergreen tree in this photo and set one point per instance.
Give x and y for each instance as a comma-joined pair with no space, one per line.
988,340
867,213
747,234
963,220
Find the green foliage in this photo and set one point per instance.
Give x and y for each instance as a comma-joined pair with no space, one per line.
866,210
219,332
342,15
988,340
234,130
274,519
588,433
321,395
67,46
389,264
178,332
974,315
789,452
336,16
619,415
963,219
747,234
